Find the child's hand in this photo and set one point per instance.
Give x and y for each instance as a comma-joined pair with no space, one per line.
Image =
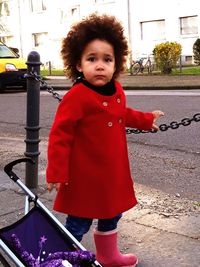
156,114
51,186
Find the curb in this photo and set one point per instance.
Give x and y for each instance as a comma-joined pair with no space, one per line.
132,87
139,83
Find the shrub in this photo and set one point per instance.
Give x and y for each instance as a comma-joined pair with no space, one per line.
166,56
196,51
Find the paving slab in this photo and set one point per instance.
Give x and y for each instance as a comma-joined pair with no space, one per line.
140,82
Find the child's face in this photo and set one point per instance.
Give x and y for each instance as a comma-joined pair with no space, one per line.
97,62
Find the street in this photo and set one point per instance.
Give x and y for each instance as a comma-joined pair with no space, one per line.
168,161
163,229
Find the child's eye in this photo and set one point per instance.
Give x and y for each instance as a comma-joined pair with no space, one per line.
91,59
108,59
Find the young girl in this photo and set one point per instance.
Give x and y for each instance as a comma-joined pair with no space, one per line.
87,152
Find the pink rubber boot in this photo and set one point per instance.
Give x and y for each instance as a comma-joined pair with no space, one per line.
107,252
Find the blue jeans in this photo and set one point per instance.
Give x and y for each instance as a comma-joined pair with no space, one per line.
79,226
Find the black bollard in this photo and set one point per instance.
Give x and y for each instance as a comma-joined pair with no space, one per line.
32,119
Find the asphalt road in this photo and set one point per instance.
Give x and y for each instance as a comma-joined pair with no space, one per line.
168,161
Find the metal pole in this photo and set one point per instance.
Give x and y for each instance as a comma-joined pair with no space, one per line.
180,64
50,68
129,34
32,119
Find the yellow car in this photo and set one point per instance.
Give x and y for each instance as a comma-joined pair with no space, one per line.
12,69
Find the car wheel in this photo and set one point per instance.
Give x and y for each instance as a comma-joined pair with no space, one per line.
24,86
2,87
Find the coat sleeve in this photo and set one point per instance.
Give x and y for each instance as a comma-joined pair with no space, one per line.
138,119
135,118
61,139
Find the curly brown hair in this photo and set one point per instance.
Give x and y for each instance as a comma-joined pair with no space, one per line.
102,27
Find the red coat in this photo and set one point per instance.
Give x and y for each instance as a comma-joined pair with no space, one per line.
88,149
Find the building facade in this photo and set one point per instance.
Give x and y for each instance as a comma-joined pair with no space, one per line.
41,24
157,21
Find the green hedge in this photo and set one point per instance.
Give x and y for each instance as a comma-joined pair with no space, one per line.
166,56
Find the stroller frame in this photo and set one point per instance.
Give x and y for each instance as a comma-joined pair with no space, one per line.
31,197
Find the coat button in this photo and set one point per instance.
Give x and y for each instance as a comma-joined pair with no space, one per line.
105,104
110,124
118,100
120,120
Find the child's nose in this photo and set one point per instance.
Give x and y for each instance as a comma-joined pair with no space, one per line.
100,65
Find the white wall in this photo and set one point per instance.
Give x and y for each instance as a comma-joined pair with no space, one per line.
58,17
170,11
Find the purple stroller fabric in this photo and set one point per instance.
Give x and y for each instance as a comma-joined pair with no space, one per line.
37,241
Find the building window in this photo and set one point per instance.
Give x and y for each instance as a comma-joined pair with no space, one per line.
38,5
103,1
39,38
189,25
4,8
153,30
188,59
75,13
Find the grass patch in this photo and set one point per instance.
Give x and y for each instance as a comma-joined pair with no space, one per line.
187,71
54,72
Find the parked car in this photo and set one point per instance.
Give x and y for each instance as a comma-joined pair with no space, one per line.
12,68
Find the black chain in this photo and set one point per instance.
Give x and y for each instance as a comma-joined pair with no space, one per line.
45,85
163,127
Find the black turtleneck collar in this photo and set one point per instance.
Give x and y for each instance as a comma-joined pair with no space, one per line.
107,90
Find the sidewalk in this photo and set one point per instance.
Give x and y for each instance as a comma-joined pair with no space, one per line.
159,239
163,230
151,82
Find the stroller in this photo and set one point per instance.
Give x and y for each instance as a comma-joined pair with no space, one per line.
39,239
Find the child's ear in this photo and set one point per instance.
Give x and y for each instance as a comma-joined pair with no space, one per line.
78,67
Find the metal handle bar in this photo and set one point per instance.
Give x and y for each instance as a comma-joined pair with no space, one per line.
8,168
